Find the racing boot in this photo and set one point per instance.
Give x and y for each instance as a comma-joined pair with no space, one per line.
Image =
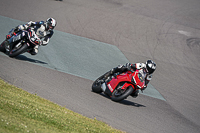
135,94
34,51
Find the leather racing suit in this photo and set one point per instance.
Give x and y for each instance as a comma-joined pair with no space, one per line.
40,30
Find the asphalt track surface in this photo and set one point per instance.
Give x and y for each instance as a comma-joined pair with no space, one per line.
166,31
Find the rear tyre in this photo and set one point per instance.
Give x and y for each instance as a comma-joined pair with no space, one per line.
19,50
119,95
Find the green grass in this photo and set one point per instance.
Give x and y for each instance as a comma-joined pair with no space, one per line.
23,112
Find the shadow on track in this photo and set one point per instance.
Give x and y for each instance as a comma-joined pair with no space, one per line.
125,102
24,58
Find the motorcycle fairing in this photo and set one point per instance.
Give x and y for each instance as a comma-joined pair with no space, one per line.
134,79
139,77
15,39
124,77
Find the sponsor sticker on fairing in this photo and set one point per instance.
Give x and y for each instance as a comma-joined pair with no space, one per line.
109,86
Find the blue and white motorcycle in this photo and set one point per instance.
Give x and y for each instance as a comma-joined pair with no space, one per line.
20,42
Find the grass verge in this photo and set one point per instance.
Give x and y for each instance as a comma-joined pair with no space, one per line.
23,112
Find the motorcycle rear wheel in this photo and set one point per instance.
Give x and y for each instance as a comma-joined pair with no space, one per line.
119,95
18,51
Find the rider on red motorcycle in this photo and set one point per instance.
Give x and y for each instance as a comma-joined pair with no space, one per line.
149,67
44,30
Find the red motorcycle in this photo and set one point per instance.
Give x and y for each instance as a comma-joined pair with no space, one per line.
120,85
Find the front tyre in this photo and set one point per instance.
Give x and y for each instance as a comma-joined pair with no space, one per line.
2,47
96,86
119,95
18,50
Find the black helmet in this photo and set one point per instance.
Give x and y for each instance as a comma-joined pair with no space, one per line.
50,23
150,66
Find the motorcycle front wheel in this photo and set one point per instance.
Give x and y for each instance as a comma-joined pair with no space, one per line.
96,86
119,94
18,50
2,47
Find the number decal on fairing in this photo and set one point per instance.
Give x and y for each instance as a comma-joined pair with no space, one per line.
110,88
17,38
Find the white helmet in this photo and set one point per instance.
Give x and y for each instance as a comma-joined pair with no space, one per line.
50,23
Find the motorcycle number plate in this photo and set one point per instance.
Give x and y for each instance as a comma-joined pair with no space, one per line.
17,38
